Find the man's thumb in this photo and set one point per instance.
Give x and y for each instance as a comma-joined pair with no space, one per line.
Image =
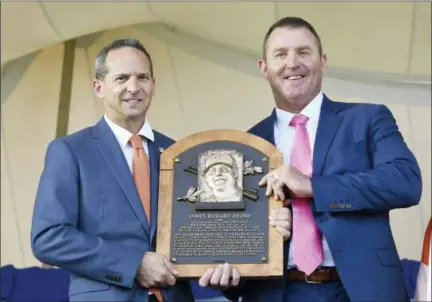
170,267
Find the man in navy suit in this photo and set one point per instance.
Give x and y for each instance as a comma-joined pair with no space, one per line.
89,217
346,166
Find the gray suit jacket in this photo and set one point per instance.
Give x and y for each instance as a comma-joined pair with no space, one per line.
88,217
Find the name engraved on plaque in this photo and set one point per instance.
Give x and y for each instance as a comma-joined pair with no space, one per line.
219,235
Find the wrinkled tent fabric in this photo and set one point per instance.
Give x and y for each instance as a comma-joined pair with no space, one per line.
398,31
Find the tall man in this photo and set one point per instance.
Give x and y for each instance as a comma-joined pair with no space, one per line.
346,166
96,206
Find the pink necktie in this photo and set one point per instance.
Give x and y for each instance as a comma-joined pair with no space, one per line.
307,245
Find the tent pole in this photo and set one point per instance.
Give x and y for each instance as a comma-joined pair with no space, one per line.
65,88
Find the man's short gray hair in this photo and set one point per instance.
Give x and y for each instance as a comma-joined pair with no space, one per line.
100,67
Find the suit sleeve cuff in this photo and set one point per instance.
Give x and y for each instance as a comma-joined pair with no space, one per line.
132,263
329,195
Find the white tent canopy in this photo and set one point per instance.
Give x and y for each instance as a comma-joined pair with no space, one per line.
391,39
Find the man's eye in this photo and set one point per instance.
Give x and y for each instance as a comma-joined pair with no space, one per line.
120,79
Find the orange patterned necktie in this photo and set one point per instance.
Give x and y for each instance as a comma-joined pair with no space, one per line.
141,176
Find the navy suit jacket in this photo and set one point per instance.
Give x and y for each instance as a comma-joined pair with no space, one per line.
88,217
362,169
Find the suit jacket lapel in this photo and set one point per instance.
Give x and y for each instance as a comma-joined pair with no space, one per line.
266,129
113,155
154,157
328,124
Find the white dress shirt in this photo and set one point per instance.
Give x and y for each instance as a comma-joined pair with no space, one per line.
123,136
284,140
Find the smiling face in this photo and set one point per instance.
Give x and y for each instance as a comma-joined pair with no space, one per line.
128,87
220,177
293,66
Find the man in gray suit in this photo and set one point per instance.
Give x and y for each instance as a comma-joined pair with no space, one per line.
89,216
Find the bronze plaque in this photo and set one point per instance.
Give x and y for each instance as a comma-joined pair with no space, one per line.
211,209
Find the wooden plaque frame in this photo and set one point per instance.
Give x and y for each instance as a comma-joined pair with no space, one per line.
274,266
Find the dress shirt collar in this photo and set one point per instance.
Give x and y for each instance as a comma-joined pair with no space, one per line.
123,136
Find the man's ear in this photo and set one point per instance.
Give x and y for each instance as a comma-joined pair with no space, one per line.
323,61
154,87
262,65
98,88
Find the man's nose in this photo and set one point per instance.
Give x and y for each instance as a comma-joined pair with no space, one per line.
132,85
292,61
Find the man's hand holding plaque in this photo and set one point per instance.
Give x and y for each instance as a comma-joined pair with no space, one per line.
280,218
156,271
222,277
287,179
